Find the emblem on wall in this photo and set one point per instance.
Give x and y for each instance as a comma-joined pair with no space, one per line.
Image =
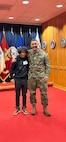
52,44
44,45
63,42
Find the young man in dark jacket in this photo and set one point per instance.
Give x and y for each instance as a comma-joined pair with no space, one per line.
19,71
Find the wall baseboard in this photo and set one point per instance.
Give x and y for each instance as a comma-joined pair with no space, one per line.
59,87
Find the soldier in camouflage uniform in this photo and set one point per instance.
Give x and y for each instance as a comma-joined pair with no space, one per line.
39,69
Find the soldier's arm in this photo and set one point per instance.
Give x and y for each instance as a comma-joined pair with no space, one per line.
47,65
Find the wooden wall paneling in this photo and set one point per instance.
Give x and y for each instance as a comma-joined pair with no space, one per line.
64,31
50,38
45,36
60,60
55,29
64,77
58,76
56,39
51,77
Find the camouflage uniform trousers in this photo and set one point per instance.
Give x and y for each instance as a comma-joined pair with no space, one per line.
34,83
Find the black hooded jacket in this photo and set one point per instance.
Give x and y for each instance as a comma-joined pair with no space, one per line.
19,68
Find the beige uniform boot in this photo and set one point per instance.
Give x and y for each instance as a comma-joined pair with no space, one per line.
33,109
45,111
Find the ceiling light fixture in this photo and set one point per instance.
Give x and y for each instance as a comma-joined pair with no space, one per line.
11,17
37,19
59,6
25,2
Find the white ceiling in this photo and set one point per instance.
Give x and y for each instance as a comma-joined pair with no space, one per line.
26,14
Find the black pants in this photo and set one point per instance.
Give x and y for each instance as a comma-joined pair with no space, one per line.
21,85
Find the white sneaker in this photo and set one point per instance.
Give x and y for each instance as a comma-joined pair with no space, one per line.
24,111
16,112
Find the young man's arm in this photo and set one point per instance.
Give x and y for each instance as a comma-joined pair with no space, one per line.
12,70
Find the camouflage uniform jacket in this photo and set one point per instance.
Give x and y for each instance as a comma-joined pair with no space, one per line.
39,65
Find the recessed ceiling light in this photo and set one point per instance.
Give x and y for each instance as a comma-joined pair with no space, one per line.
37,19
59,6
11,17
25,2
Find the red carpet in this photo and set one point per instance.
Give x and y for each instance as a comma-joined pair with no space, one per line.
39,128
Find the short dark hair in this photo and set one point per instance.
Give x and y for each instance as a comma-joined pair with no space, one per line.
23,49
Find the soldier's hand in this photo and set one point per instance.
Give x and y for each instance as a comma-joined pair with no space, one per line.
46,78
14,60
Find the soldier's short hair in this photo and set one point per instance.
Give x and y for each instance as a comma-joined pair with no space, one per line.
34,40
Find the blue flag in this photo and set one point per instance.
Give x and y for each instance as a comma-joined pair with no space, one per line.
20,41
12,39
